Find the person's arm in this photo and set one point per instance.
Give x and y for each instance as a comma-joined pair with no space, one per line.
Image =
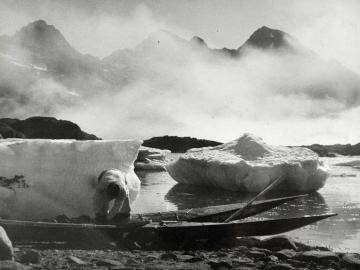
121,203
100,205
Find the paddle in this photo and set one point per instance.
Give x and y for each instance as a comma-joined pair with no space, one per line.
240,211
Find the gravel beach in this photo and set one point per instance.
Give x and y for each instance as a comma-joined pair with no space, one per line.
273,253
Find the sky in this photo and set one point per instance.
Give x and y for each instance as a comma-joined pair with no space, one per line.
328,27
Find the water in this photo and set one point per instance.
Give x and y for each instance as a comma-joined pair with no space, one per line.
341,195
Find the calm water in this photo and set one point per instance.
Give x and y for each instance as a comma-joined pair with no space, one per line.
341,195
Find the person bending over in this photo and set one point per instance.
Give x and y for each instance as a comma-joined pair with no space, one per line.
112,186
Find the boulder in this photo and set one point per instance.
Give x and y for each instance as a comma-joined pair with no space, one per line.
285,254
318,256
6,248
279,243
30,256
249,164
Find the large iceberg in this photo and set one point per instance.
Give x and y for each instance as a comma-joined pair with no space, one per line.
44,178
249,164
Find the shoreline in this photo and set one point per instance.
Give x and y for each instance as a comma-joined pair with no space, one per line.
271,253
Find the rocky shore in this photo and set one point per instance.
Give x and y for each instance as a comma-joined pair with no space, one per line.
274,253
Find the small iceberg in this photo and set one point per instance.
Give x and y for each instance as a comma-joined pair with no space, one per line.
151,159
249,164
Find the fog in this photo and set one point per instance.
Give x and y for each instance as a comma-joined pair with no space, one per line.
166,86
285,98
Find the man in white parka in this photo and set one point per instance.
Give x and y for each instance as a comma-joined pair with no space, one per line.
112,186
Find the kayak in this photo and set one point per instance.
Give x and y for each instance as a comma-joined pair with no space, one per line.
215,213
20,231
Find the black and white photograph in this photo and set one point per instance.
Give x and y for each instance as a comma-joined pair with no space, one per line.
180,134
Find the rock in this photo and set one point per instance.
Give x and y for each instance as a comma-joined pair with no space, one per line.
62,219
264,250
249,164
30,256
243,250
76,260
109,263
150,258
248,242
272,258
82,219
6,248
178,144
285,254
194,260
11,265
43,128
131,261
219,264
351,261
169,256
7,131
280,267
246,268
257,254
318,256
297,263
279,243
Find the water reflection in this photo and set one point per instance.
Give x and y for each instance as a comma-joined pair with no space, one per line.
189,196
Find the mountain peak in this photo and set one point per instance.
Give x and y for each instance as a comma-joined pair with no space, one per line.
39,35
267,38
198,41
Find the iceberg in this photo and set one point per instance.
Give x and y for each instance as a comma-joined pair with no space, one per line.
45,178
151,159
249,164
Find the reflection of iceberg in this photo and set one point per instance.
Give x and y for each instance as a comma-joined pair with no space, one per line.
190,196
58,176
248,164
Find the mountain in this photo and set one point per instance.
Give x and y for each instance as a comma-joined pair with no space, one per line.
47,46
267,38
42,52
178,144
42,128
41,73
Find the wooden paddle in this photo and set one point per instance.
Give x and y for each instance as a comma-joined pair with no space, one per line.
238,213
